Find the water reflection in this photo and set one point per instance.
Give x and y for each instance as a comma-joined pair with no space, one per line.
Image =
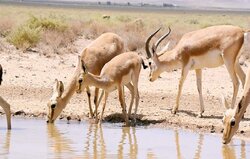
6,143
130,134
199,146
59,144
95,145
85,140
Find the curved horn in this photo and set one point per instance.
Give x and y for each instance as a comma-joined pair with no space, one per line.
160,40
149,54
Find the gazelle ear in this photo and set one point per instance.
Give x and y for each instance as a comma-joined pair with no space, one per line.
166,47
84,68
224,102
239,106
1,74
55,85
78,61
60,88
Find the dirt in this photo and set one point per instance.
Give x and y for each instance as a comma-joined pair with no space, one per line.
28,79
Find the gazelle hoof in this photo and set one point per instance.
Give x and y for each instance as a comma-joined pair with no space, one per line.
199,115
173,111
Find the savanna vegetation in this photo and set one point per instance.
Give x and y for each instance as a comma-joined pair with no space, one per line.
53,30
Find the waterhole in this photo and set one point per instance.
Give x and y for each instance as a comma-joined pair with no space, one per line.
34,138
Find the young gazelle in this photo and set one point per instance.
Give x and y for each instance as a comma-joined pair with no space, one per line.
209,47
95,55
122,70
5,105
233,116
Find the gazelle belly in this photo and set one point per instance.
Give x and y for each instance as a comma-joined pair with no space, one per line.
127,78
210,59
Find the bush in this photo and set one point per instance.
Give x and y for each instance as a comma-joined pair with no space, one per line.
51,23
24,37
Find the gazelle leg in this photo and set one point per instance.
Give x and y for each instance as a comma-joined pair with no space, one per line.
199,87
137,98
91,114
123,104
131,89
106,94
240,72
6,108
230,67
100,98
96,101
184,74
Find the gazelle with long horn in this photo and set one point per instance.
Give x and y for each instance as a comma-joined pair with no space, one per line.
233,116
95,56
4,104
209,47
122,70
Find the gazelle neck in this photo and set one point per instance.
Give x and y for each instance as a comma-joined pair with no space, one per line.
70,89
97,81
169,61
243,106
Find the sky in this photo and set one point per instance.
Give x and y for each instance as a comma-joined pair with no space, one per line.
194,3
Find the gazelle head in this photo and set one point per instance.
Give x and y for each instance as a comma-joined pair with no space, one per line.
155,67
55,104
231,120
81,84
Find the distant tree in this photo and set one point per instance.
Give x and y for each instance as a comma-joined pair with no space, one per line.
99,3
128,4
168,5
108,3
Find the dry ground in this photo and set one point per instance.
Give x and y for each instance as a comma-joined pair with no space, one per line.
28,79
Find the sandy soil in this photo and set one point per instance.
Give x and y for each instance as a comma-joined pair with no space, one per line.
28,79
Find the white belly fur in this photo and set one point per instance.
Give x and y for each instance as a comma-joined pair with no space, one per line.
211,59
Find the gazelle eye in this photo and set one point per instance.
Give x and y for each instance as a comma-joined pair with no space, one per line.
53,106
232,123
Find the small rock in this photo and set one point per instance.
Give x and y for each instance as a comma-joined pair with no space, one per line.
20,112
212,131
68,118
17,76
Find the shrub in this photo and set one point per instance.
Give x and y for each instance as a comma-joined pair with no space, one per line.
24,37
51,23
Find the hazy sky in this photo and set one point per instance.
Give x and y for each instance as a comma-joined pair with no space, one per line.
213,3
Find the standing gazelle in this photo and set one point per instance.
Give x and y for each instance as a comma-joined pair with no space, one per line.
233,116
209,47
122,70
95,55
5,105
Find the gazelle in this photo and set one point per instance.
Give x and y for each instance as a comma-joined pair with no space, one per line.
233,116
95,55
5,105
209,47
122,70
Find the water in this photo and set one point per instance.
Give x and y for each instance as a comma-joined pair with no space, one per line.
35,139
